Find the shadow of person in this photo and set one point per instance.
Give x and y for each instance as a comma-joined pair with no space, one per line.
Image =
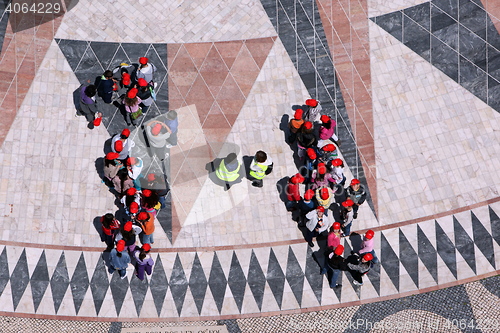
99,168
98,227
76,100
247,161
356,240
107,146
285,119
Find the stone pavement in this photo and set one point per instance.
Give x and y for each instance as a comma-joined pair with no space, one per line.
412,86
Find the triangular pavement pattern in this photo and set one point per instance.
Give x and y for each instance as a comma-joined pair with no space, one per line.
457,37
426,93
163,21
299,28
217,78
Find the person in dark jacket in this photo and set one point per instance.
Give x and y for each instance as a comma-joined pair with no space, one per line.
359,266
306,139
357,193
305,205
336,263
104,86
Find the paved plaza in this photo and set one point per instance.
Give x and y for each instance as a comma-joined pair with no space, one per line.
413,85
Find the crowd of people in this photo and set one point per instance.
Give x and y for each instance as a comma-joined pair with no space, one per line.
140,195
323,207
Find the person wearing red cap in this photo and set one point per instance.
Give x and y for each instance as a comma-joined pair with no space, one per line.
367,245
336,264
157,183
318,223
104,85
147,223
109,227
146,71
321,177
357,193
119,259
306,139
324,197
327,152
131,104
359,266
313,110
131,195
88,105
158,133
334,235
292,191
134,167
337,172
143,261
327,130
150,201
305,206
347,216
111,167
128,234
295,124
126,144
261,166
122,182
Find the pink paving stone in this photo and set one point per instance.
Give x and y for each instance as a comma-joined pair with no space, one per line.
493,9
214,71
182,72
259,49
198,52
200,96
349,46
229,51
245,71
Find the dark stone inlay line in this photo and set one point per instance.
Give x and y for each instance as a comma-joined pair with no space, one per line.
256,280
308,49
198,283
99,284
427,253
19,279
138,289
59,282
4,272
217,282
313,275
483,239
178,284
237,281
119,288
389,261
79,283
408,257
158,284
464,244
446,249
275,278
458,26
295,276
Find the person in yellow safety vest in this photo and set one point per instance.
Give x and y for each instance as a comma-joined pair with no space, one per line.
229,171
261,166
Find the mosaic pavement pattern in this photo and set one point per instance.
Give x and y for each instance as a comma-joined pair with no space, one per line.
411,84
228,282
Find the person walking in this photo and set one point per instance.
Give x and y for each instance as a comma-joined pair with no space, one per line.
119,259
359,266
336,264
158,133
367,245
318,224
357,193
143,261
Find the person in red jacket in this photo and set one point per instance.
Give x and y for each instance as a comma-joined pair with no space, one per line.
109,227
292,191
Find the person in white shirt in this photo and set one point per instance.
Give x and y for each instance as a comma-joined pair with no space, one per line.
317,223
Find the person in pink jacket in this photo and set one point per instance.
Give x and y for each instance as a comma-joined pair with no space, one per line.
367,245
327,129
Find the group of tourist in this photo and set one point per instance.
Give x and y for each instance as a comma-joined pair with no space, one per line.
325,208
141,196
